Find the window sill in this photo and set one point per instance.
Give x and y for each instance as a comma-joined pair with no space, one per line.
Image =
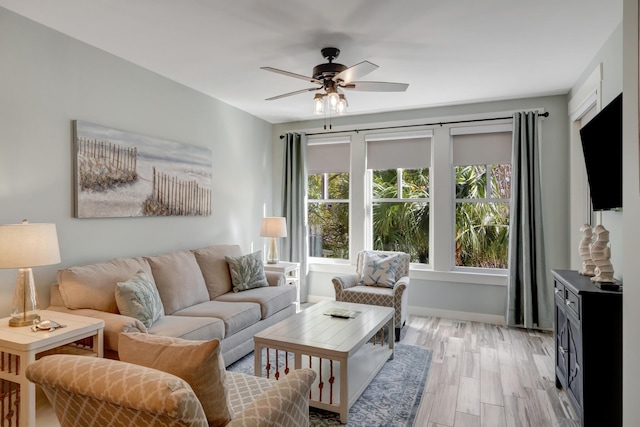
420,273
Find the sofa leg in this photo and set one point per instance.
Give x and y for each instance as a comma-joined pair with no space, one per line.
398,334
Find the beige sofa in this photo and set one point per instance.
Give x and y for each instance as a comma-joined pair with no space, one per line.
196,292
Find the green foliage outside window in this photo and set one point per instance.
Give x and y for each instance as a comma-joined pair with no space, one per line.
328,215
482,223
401,225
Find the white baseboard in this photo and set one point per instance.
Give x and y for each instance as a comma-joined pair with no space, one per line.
435,312
457,315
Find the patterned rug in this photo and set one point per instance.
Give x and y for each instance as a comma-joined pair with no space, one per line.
392,398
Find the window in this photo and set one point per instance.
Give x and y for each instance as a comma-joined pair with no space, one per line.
398,170
482,169
328,199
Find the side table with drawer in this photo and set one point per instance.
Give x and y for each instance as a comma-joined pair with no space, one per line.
588,360
20,346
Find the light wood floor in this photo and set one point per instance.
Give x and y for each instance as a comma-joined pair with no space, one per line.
487,375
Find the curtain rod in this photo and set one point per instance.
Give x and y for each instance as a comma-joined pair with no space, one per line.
545,114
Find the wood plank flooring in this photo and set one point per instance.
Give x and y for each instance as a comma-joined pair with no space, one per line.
485,375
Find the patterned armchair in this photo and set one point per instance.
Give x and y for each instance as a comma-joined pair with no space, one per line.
90,391
349,288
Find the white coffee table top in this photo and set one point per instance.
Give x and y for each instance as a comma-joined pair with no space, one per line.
335,337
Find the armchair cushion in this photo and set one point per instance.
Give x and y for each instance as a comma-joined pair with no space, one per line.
199,363
380,269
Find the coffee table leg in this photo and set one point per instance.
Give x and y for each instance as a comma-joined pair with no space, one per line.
344,391
257,360
392,328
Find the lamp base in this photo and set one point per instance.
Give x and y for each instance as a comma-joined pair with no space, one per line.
24,307
28,320
272,254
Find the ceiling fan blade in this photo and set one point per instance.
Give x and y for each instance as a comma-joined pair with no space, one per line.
311,89
355,72
376,86
290,74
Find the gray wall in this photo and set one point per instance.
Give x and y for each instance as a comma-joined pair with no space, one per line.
47,80
434,296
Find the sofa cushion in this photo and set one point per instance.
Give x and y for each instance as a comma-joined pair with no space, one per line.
191,328
138,297
179,280
200,364
272,299
215,268
236,316
247,271
93,286
379,269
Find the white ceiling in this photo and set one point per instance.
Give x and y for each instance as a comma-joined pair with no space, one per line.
450,52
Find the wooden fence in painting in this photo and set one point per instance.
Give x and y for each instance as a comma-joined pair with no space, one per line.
171,196
103,164
109,154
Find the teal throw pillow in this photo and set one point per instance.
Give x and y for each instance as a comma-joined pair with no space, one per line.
380,269
138,297
247,272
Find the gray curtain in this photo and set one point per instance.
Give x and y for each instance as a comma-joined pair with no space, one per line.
529,297
294,205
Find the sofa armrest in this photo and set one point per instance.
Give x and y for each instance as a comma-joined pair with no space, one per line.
275,278
92,388
113,324
284,404
345,281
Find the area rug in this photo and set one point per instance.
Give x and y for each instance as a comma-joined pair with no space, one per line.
392,398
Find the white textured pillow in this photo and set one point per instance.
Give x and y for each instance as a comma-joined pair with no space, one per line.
380,269
138,297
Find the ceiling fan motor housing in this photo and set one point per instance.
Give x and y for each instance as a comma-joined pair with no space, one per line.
328,70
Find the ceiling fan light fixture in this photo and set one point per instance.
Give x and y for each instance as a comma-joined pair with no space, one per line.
318,103
341,108
334,99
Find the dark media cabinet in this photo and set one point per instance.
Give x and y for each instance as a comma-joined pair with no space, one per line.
588,335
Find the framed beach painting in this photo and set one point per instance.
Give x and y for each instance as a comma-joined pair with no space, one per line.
124,174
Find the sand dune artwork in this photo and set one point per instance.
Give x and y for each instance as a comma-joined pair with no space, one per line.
123,174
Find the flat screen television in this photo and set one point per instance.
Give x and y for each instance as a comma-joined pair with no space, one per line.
602,147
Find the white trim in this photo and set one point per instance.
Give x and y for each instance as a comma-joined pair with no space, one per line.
493,319
427,133
467,130
328,140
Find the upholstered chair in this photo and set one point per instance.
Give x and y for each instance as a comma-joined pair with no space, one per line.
351,287
92,392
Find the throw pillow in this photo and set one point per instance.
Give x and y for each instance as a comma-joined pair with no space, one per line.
138,297
247,271
380,269
199,363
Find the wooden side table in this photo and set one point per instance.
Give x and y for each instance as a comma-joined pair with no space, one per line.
19,346
291,271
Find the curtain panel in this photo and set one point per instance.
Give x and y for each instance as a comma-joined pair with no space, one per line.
294,205
529,297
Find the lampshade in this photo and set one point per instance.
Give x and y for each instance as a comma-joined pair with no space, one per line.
23,246
274,226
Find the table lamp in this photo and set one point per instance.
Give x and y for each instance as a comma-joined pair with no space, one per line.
272,227
24,246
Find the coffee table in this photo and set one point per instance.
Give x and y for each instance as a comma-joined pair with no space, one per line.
340,350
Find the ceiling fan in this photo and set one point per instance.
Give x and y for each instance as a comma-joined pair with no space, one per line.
333,78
